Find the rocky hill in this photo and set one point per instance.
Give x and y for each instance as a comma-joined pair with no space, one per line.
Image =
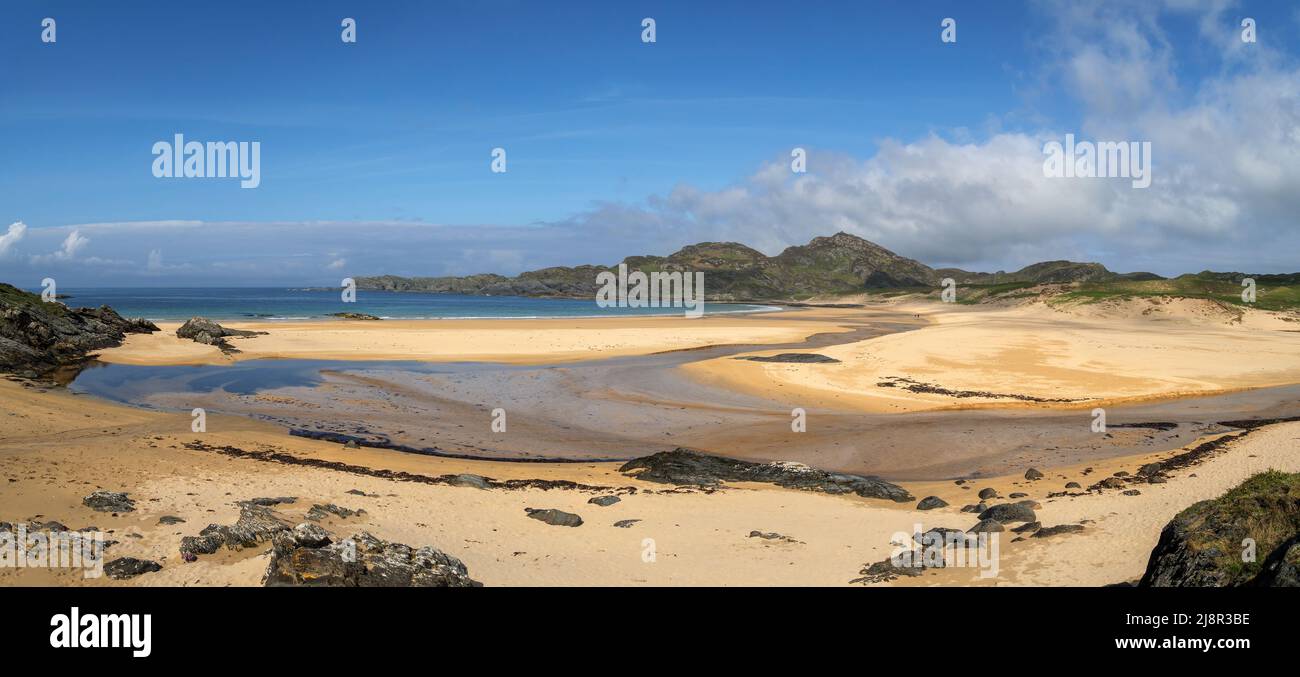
826,266
1203,545
37,337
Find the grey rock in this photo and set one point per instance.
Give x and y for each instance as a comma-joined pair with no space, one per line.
554,517
604,501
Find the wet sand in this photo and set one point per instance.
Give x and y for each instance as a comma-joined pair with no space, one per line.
630,406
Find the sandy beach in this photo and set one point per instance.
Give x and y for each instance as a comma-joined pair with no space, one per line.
57,447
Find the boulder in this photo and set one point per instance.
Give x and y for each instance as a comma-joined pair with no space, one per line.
604,501
1033,474
554,517
1009,512
931,502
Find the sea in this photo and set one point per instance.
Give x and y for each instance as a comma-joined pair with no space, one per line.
277,303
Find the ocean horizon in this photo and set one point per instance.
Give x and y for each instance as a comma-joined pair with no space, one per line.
287,304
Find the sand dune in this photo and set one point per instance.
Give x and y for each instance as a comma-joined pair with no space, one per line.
1036,352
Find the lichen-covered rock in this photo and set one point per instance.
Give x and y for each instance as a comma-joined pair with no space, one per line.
109,501
687,467
299,557
256,524
1205,545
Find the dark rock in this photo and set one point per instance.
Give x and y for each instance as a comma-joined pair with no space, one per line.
604,501
319,512
129,567
1033,474
686,467
974,508
256,524
1028,526
1203,546
796,358
554,517
1150,469
625,524
986,526
1017,494
170,519
910,564
279,500
931,502
987,493
351,444
37,338
1009,512
355,316
109,501
1058,529
207,332
1132,492
300,557
1072,485
1157,479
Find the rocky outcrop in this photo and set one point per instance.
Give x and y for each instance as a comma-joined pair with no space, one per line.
205,331
256,524
1206,544
686,467
356,316
37,337
308,556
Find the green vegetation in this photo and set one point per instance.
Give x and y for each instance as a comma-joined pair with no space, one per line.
1272,292
1265,508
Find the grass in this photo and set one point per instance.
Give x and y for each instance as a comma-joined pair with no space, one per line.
1266,508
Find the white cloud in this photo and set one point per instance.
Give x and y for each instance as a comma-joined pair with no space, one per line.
15,234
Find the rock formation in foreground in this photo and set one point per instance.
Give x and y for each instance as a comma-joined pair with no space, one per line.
37,337
1204,545
307,555
686,467
205,331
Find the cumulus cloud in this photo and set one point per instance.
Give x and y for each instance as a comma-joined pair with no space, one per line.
13,236
1225,153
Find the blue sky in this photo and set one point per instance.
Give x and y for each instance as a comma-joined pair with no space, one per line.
376,155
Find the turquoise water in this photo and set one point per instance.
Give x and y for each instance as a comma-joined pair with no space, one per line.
247,303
